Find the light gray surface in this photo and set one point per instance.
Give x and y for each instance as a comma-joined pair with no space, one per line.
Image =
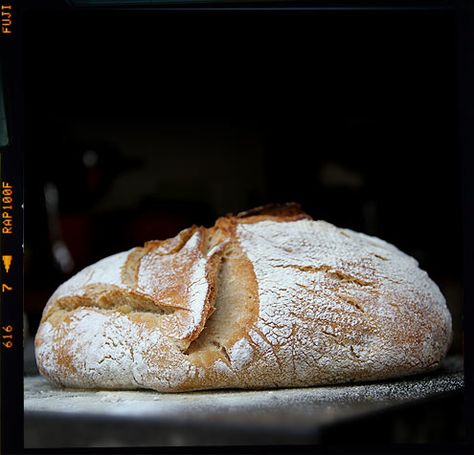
289,414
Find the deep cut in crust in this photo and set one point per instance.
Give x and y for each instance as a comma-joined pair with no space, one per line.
267,298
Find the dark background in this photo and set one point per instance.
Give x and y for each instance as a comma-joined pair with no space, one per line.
147,122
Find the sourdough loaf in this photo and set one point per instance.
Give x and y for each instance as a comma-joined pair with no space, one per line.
267,298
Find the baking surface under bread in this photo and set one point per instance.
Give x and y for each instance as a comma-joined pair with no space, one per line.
267,298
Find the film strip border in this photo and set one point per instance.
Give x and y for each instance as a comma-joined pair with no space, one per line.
11,233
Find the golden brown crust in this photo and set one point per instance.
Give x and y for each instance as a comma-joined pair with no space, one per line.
267,298
290,211
286,210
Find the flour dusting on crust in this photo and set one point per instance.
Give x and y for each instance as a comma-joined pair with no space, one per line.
108,350
335,303
106,271
178,281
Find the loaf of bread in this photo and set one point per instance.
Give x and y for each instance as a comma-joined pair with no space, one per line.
267,298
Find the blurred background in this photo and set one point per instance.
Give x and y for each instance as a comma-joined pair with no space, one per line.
139,124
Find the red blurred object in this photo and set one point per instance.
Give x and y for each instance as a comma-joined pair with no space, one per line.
77,234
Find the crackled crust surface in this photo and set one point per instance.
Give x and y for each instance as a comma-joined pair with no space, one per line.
268,298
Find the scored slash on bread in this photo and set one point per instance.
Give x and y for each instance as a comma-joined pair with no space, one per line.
267,298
